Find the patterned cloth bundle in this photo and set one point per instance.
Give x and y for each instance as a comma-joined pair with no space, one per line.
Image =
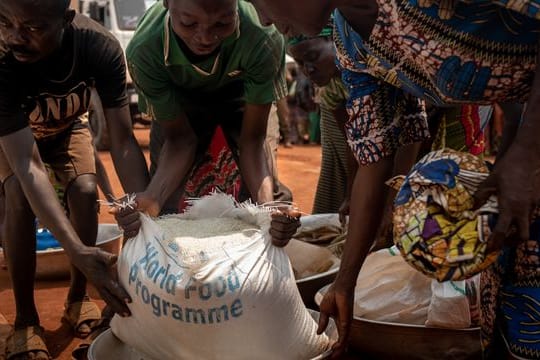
435,226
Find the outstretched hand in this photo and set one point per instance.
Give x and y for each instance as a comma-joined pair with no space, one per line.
337,304
98,267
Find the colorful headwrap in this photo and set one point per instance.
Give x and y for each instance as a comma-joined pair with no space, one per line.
326,32
435,226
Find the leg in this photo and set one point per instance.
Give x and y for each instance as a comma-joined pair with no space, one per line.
82,197
284,122
82,201
19,241
19,235
72,160
314,127
281,192
294,129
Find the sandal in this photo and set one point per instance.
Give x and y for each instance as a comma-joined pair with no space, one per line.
27,340
80,313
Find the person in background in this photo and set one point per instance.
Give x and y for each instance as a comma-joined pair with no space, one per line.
386,47
51,61
198,65
306,101
282,112
297,116
459,127
316,57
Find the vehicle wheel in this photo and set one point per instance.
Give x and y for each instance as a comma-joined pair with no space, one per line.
98,124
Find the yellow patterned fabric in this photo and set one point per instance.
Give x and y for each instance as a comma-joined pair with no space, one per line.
435,226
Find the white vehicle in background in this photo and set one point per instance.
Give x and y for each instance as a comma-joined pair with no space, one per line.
120,17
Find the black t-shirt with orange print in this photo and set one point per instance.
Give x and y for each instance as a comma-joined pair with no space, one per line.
50,96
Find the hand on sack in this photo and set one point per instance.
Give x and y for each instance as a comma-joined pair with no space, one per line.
338,304
516,182
285,222
128,218
98,267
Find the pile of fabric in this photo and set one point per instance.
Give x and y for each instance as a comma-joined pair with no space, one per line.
435,226
439,234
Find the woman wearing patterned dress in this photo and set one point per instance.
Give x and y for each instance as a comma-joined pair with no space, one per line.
442,52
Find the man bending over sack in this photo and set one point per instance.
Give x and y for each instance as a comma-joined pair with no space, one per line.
51,61
199,64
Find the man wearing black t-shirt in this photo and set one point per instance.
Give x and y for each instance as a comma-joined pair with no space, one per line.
51,61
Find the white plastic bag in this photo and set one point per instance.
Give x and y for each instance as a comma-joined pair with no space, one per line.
449,307
388,289
235,299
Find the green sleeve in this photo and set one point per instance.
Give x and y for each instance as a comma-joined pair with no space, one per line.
265,71
158,97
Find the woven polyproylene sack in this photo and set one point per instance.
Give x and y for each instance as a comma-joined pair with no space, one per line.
212,292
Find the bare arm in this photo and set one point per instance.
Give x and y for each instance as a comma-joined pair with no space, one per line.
103,179
368,190
367,199
176,159
516,176
23,157
127,156
253,164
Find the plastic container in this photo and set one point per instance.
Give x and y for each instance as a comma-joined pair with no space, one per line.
45,240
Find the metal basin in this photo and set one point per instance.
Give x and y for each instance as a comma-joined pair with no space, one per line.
310,258
108,347
384,340
54,263
309,286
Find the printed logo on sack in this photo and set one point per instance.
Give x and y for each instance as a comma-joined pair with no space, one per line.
148,269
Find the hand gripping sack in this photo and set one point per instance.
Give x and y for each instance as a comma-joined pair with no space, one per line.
205,287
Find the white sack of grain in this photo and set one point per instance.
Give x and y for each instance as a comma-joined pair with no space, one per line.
209,284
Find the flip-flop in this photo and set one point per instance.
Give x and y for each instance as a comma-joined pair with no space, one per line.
25,341
79,313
